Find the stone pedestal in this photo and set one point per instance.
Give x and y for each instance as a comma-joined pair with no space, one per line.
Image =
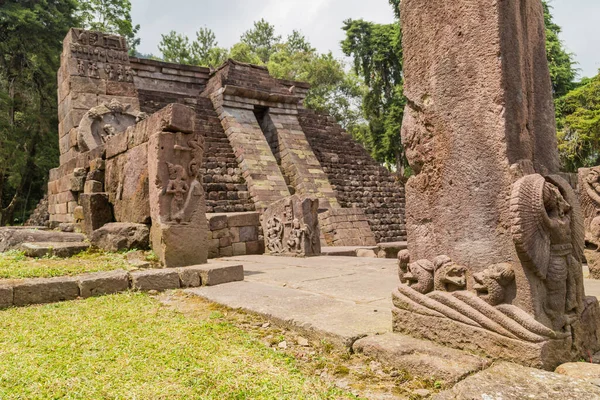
291,227
177,201
495,238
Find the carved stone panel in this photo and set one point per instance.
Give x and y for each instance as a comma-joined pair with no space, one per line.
177,201
291,227
105,121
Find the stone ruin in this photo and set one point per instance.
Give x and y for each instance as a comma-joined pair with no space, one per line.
495,235
589,194
201,155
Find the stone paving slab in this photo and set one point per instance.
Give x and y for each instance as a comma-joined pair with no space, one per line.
341,322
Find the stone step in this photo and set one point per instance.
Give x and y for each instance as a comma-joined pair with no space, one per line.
57,249
12,237
420,358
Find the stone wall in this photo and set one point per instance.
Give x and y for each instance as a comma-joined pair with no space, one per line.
358,180
346,227
234,234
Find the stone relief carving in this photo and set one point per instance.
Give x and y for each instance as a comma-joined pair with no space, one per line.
549,236
104,121
492,283
275,235
291,227
177,188
184,185
93,70
590,202
81,68
449,277
439,289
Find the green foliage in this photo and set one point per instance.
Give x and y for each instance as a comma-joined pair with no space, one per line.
111,16
578,117
262,40
377,54
560,61
203,51
31,34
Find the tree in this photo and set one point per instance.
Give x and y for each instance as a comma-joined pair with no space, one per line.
578,117
262,40
203,51
111,16
560,62
31,34
175,48
376,50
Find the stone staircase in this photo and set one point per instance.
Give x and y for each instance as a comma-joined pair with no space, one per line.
224,185
359,181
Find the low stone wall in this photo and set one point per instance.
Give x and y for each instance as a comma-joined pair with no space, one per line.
234,234
51,290
67,183
346,227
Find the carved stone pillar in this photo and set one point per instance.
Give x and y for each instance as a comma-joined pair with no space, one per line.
177,202
494,238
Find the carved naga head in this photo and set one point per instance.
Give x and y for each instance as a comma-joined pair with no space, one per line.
449,276
419,276
491,284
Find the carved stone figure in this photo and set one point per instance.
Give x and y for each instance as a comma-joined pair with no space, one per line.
104,121
449,277
491,284
81,68
589,194
177,187
129,74
403,261
110,72
291,227
419,276
297,233
275,235
93,70
549,236
120,73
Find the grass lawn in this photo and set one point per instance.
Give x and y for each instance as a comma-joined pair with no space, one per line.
131,346
15,265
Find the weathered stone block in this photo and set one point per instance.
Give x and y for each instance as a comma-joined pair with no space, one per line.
102,283
39,291
190,277
213,275
217,222
243,219
248,233
93,187
97,211
6,296
239,249
155,279
120,236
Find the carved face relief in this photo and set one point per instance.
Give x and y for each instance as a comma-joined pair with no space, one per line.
420,276
94,126
491,284
554,202
449,276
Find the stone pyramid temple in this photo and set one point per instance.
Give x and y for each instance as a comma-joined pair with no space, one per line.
260,145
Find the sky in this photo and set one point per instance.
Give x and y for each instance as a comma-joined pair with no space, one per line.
321,21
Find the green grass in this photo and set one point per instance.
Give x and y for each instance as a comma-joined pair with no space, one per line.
130,346
15,265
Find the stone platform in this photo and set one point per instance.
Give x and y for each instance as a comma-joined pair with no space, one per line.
341,299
